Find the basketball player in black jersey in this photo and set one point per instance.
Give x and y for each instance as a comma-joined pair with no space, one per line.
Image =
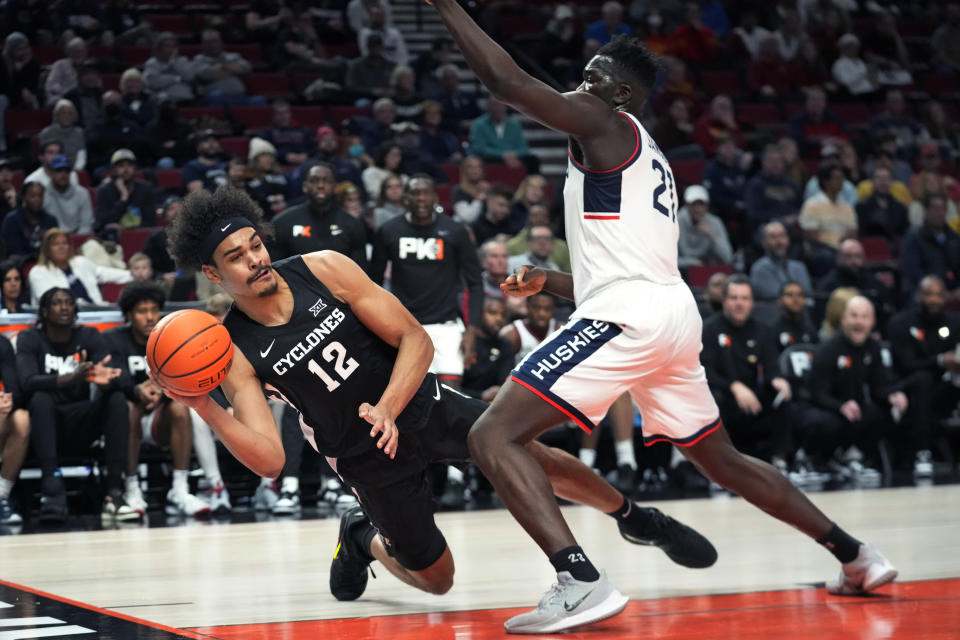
317,333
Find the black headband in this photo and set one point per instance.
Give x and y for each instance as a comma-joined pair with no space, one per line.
221,230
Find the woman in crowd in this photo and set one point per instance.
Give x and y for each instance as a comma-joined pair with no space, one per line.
59,267
390,202
389,157
532,191
64,129
140,106
470,195
11,287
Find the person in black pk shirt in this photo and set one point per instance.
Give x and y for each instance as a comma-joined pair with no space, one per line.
315,331
319,223
432,261
57,362
924,341
494,354
740,357
793,326
154,418
852,390
14,431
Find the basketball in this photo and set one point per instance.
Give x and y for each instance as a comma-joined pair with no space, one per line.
190,352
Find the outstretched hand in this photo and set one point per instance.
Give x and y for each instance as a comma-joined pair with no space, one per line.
527,281
382,424
101,374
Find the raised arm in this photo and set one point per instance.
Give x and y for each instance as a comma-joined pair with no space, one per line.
578,114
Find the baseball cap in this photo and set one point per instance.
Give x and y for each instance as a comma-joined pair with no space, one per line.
696,193
122,154
61,162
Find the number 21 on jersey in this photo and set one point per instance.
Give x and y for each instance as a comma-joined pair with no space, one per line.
664,191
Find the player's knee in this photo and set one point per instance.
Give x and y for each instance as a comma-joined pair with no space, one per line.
180,413
21,424
41,400
479,441
438,584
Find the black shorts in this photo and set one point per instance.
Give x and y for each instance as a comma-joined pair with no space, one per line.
395,494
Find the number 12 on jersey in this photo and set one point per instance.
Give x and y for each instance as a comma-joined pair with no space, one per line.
342,365
666,185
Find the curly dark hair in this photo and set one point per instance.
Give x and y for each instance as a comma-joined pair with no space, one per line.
632,58
201,211
136,292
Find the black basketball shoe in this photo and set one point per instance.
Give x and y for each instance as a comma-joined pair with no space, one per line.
682,544
348,571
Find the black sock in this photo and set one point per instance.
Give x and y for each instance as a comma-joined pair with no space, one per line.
365,538
575,561
841,544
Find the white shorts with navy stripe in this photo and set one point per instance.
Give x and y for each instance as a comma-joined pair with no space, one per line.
587,364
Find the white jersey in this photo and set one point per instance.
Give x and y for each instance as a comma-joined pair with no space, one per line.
621,226
528,341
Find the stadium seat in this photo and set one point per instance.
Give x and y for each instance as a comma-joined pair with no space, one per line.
133,54
18,178
78,239
687,172
83,178
267,84
876,250
236,146
452,171
502,174
443,197
253,118
111,81
110,291
26,123
47,54
169,179
309,116
853,114
698,275
132,240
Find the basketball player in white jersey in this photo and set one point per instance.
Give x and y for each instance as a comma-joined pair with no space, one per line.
526,334
636,328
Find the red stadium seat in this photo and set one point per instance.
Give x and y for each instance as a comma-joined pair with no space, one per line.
876,249
132,240
111,81
251,117
83,178
853,114
444,198
698,275
452,171
267,84
78,239
47,54
168,178
18,178
502,174
236,146
110,291
26,123
687,172
309,116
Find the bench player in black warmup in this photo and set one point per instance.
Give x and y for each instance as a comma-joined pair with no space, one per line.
317,333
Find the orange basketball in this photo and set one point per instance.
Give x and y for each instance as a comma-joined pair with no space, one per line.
190,352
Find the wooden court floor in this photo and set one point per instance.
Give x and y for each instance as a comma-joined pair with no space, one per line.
269,580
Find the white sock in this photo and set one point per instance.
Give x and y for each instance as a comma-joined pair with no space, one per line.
266,482
676,457
625,454
6,486
206,449
132,483
588,457
180,484
291,484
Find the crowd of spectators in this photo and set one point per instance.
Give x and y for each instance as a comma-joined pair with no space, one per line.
836,215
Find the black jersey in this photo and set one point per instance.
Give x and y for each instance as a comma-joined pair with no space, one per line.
325,363
129,356
8,372
40,361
